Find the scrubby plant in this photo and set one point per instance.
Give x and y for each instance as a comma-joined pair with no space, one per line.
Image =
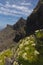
30,50
27,50
3,54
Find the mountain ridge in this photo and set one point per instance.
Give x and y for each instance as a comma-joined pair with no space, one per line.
12,34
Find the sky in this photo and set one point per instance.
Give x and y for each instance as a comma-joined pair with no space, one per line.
12,10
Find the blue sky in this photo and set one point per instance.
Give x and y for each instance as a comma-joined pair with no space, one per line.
12,10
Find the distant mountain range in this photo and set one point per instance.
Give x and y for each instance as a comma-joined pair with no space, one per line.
12,34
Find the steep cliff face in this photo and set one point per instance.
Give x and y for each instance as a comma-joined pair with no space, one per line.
35,20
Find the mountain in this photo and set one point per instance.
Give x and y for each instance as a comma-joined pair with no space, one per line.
21,23
6,36
20,28
11,34
28,34
35,20
28,51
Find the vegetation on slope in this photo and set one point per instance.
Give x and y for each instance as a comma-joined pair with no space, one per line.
29,51
7,53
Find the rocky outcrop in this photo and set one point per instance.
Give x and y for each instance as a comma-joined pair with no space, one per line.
20,28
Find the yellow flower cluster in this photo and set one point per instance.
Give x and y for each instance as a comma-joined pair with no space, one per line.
15,63
27,49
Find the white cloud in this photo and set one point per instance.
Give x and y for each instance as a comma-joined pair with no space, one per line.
26,4
14,9
22,8
10,12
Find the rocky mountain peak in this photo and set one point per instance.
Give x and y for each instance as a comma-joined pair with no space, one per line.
21,19
21,22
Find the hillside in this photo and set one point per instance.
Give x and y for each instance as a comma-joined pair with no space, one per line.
22,43
29,51
11,34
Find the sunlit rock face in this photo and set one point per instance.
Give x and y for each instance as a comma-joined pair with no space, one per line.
35,20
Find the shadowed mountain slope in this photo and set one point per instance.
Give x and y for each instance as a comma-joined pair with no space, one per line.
35,20
12,34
